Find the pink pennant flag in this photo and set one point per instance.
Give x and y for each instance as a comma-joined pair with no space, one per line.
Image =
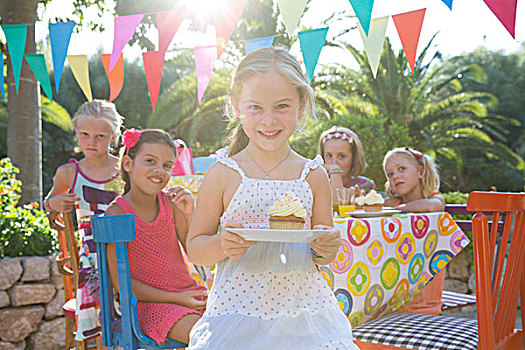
153,68
168,23
408,26
505,10
225,19
205,57
124,28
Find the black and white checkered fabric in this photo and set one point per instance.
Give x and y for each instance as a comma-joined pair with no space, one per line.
452,300
420,331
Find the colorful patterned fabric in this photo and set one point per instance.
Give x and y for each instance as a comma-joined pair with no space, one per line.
364,183
384,262
95,196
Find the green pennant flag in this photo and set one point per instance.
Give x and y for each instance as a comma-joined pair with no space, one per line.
16,44
312,42
37,62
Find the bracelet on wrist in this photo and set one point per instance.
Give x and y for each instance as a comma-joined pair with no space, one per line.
337,171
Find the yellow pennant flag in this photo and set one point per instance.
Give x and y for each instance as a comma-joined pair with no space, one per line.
291,10
79,67
374,42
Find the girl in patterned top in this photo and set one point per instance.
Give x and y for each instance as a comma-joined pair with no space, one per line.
88,185
266,295
413,186
169,300
344,159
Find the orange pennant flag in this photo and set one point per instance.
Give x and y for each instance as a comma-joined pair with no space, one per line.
153,65
115,77
408,26
225,19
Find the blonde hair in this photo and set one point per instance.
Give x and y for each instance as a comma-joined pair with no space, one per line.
261,62
358,154
430,178
100,109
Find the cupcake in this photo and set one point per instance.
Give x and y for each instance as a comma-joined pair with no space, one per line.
373,201
287,213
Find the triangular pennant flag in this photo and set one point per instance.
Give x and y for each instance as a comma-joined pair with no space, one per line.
115,77
2,76
408,26
258,43
505,10
363,11
15,35
448,3
225,19
124,28
153,68
205,57
291,10
374,41
312,42
59,35
79,67
37,62
168,23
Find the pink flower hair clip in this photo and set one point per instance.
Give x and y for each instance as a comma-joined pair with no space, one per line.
130,137
338,135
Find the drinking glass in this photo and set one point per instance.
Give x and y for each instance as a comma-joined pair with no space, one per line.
345,198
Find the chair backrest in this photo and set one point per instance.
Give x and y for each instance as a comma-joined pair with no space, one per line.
120,229
499,267
201,164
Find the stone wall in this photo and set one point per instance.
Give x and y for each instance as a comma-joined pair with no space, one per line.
31,299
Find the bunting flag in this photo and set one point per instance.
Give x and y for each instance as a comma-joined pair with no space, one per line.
115,77
505,10
16,35
79,67
2,76
374,41
153,65
225,19
448,3
168,23
291,10
205,57
312,42
59,35
124,28
258,43
37,62
363,11
408,26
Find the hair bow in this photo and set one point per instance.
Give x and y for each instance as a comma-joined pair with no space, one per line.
418,155
338,135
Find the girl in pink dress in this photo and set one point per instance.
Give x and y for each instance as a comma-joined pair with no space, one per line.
170,302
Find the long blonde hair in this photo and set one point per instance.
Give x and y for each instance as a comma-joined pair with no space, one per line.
430,178
261,62
358,155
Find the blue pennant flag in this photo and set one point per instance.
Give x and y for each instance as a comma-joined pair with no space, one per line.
312,42
258,43
448,3
363,11
2,75
59,35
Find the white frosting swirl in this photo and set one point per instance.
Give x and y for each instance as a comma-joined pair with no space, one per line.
287,204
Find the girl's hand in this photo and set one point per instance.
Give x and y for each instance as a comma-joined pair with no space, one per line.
234,246
183,200
327,245
192,299
62,203
331,166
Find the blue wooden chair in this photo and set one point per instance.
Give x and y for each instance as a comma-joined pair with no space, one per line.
123,331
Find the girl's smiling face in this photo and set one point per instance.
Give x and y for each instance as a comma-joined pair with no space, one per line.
150,171
268,107
338,151
404,177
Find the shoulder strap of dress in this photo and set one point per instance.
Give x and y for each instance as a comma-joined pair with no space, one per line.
123,203
77,170
222,156
311,164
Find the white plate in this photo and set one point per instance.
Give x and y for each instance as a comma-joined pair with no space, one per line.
372,214
268,235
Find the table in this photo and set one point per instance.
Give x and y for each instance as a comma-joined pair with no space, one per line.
384,262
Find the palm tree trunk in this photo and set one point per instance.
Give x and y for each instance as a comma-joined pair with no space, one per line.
24,125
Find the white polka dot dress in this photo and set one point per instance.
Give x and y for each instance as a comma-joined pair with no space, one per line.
265,301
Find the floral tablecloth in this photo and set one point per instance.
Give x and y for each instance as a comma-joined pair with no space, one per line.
384,262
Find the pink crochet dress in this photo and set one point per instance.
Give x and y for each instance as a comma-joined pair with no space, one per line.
155,258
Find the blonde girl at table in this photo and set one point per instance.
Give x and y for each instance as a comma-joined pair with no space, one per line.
266,295
88,185
169,300
413,186
344,160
